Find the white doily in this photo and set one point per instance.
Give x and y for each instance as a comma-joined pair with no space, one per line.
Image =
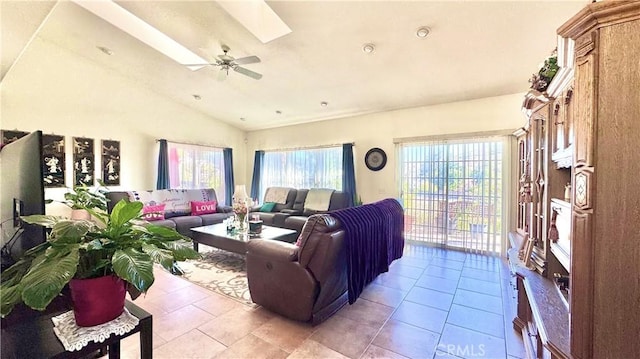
75,338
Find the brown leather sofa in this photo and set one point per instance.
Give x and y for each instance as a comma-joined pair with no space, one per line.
306,282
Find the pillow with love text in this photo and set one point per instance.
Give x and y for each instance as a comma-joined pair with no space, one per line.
206,207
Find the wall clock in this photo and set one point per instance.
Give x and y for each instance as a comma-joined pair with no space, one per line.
375,159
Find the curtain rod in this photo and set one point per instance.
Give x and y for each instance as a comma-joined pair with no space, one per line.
192,143
309,147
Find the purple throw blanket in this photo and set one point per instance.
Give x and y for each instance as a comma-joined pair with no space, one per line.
373,236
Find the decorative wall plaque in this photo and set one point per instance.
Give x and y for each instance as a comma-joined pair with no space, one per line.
53,164
111,162
83,161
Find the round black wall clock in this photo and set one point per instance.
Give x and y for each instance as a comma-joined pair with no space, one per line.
375,159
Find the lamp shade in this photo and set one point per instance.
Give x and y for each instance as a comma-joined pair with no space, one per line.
241,192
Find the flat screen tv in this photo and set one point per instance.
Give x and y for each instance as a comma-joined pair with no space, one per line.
21,194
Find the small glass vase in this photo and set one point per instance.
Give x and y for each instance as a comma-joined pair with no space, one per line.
243,222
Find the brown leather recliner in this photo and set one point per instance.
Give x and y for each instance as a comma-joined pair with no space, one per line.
307,282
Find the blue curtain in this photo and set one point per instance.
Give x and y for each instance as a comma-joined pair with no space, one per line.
348,174
229,185
163,166
257,174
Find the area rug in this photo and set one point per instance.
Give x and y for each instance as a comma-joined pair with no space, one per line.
220,271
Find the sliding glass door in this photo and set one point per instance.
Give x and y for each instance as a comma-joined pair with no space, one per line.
452,192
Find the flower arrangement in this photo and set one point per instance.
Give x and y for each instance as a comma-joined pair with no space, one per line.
240,208
548,70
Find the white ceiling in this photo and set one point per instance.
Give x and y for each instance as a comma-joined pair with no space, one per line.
476,49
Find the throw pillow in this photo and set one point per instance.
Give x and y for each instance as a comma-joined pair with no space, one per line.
267,207
206,207
153,213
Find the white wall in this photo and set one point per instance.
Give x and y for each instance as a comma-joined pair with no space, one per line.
379,130
83,99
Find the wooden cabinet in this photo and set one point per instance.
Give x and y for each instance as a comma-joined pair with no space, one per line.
605,237
542,315
594,126
540,180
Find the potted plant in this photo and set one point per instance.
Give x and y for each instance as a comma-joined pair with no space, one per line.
116,252
83,200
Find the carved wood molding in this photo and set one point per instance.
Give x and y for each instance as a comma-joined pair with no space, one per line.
519,132
582,189
600,14
567,98
585,44
533,101
582,281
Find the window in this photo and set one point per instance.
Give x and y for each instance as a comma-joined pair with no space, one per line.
309,168
195,167
452,192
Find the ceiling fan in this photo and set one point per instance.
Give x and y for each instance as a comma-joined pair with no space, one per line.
226,62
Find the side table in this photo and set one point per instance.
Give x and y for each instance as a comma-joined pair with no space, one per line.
32,336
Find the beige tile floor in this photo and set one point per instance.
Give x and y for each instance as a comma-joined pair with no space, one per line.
433,303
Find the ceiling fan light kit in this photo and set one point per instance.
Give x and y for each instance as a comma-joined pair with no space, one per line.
226,62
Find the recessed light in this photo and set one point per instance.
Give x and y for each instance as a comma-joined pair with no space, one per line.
278,112
368,48
242,119
197,97
105,50
422,32
324,103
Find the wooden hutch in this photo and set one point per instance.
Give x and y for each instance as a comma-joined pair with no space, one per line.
579,282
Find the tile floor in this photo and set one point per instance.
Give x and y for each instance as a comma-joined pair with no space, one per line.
433,303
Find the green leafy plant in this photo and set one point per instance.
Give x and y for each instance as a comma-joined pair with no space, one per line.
547,72
83,197
121,244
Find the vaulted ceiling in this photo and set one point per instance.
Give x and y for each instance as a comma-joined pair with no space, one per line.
475,49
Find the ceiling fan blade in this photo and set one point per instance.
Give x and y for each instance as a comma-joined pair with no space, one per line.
242,70
247,60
